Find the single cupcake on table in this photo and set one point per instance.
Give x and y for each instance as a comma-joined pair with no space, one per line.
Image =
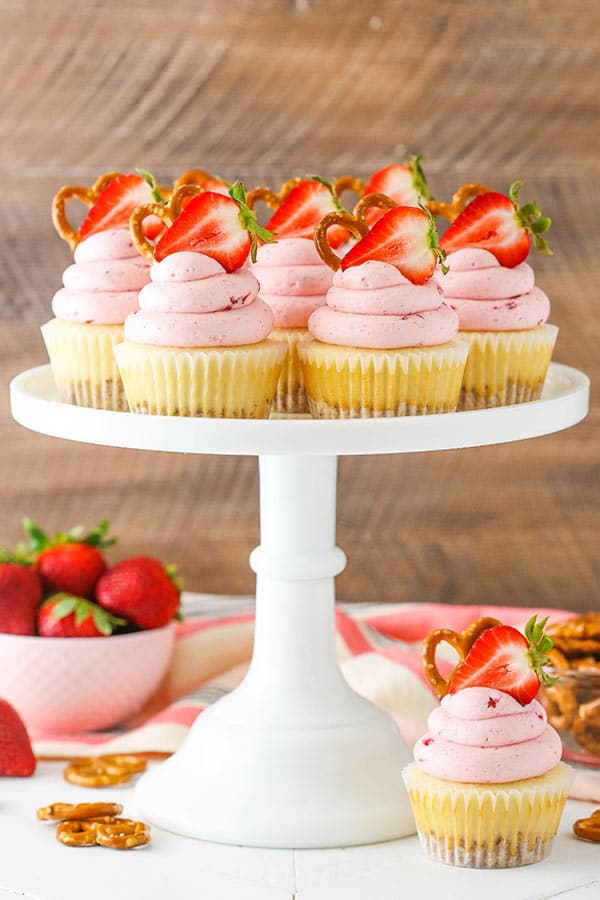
385,343
293,278
200,345
502,313
487,787
99,291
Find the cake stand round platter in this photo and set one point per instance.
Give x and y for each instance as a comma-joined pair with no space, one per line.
293,758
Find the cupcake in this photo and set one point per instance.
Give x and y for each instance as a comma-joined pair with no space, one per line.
200,345
384,344
502,313
99,290
294,279
487,787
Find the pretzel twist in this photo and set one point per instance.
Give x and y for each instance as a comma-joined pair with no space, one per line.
461,642
123,835
71,811
82,832
355,222
193,176
86,195
460,199
103,771
273,199
168,213
588,829
348,183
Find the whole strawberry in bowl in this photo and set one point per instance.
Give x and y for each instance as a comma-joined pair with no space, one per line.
68,663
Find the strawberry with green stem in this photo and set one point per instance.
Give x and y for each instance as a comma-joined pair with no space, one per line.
506,660
220,226
302,210
63,615
70,561
406,184
495,222
404,237
142,590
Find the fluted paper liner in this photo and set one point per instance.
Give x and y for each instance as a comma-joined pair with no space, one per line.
83,363
487,826
291,396
505,367
219,382
350,382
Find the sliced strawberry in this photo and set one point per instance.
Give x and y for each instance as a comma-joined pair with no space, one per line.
405,237
117,201
303,209
497,223
406,184
16,755
64,615
222,227
504,659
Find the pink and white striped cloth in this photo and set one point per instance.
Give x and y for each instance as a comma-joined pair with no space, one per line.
379,647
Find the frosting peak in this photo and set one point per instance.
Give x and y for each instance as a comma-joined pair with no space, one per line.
485,736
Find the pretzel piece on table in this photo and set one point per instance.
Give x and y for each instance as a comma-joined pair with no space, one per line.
82,832
104,771
123,835
588,829
57,812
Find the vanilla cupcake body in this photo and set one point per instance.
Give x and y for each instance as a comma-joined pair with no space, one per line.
382,346
487,787
100,290
200,346
503,316
294,281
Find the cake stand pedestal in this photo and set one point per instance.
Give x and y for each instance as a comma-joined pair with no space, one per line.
293,757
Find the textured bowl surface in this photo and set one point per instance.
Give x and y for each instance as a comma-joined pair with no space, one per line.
64,685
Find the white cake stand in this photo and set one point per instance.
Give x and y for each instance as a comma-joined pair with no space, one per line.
293,757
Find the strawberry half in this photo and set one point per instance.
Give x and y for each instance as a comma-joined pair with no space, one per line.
222,227
303,209
64,615
406,184
504,659
16,755
405,237
497,223
69,561
117,201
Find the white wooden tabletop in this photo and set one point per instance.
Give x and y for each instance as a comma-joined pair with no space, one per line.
34,865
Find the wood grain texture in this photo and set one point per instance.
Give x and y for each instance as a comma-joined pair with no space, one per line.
488,91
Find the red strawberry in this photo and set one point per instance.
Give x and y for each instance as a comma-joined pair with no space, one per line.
206,180
405,237
117,201
69,562
16,755
63,615
142,590
20,596
405,184
497,223
504,659
222,227
303,209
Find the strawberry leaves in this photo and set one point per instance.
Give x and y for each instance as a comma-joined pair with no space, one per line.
530,219
249,221
62,605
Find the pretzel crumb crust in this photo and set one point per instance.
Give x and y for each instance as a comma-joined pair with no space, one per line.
573,704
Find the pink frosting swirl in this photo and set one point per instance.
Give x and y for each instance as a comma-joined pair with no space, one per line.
491,297
293,280
101,287
193,302
485,736
374,305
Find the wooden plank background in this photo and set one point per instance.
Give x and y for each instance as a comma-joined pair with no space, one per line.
488,91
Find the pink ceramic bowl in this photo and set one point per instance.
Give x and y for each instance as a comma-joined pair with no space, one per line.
64,685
